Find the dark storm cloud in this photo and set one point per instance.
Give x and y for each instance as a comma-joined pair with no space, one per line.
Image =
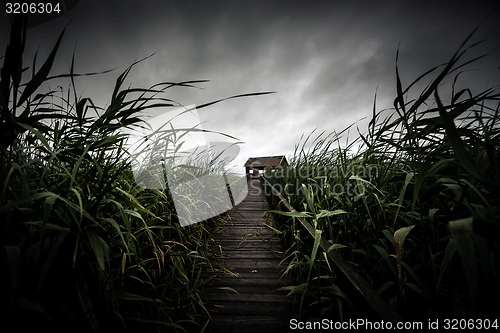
324,59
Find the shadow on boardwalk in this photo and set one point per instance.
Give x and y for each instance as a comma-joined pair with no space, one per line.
251,251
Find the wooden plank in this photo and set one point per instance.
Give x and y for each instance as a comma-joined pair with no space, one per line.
256,231
250,255
244,280
263,319
248,297
256,250
217,267
238,308
252,252
247,233
250,263
264,287
240,324
239,227
242,240
231,240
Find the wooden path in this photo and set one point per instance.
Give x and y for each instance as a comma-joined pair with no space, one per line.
251,251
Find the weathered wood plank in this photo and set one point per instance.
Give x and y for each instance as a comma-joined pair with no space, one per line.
238,308
252,252
262,270
240,324
257,282
250,255
250,263
238,228
263,286
248,297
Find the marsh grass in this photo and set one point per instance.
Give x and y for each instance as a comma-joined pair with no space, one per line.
84,248
422,218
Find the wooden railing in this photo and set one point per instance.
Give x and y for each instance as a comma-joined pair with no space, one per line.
381,307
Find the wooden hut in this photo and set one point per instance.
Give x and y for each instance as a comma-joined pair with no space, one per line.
257,165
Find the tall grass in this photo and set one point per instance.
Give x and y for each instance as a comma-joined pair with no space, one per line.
83,246
415,209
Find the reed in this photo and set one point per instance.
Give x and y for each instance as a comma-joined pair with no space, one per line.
415,208
84,247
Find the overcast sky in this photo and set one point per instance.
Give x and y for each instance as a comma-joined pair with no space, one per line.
323,59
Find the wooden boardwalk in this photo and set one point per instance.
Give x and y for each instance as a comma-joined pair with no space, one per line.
251,251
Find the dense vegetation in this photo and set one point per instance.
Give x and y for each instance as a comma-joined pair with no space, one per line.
413,204
415,209
84,247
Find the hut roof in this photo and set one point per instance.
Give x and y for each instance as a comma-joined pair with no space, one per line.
265,161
